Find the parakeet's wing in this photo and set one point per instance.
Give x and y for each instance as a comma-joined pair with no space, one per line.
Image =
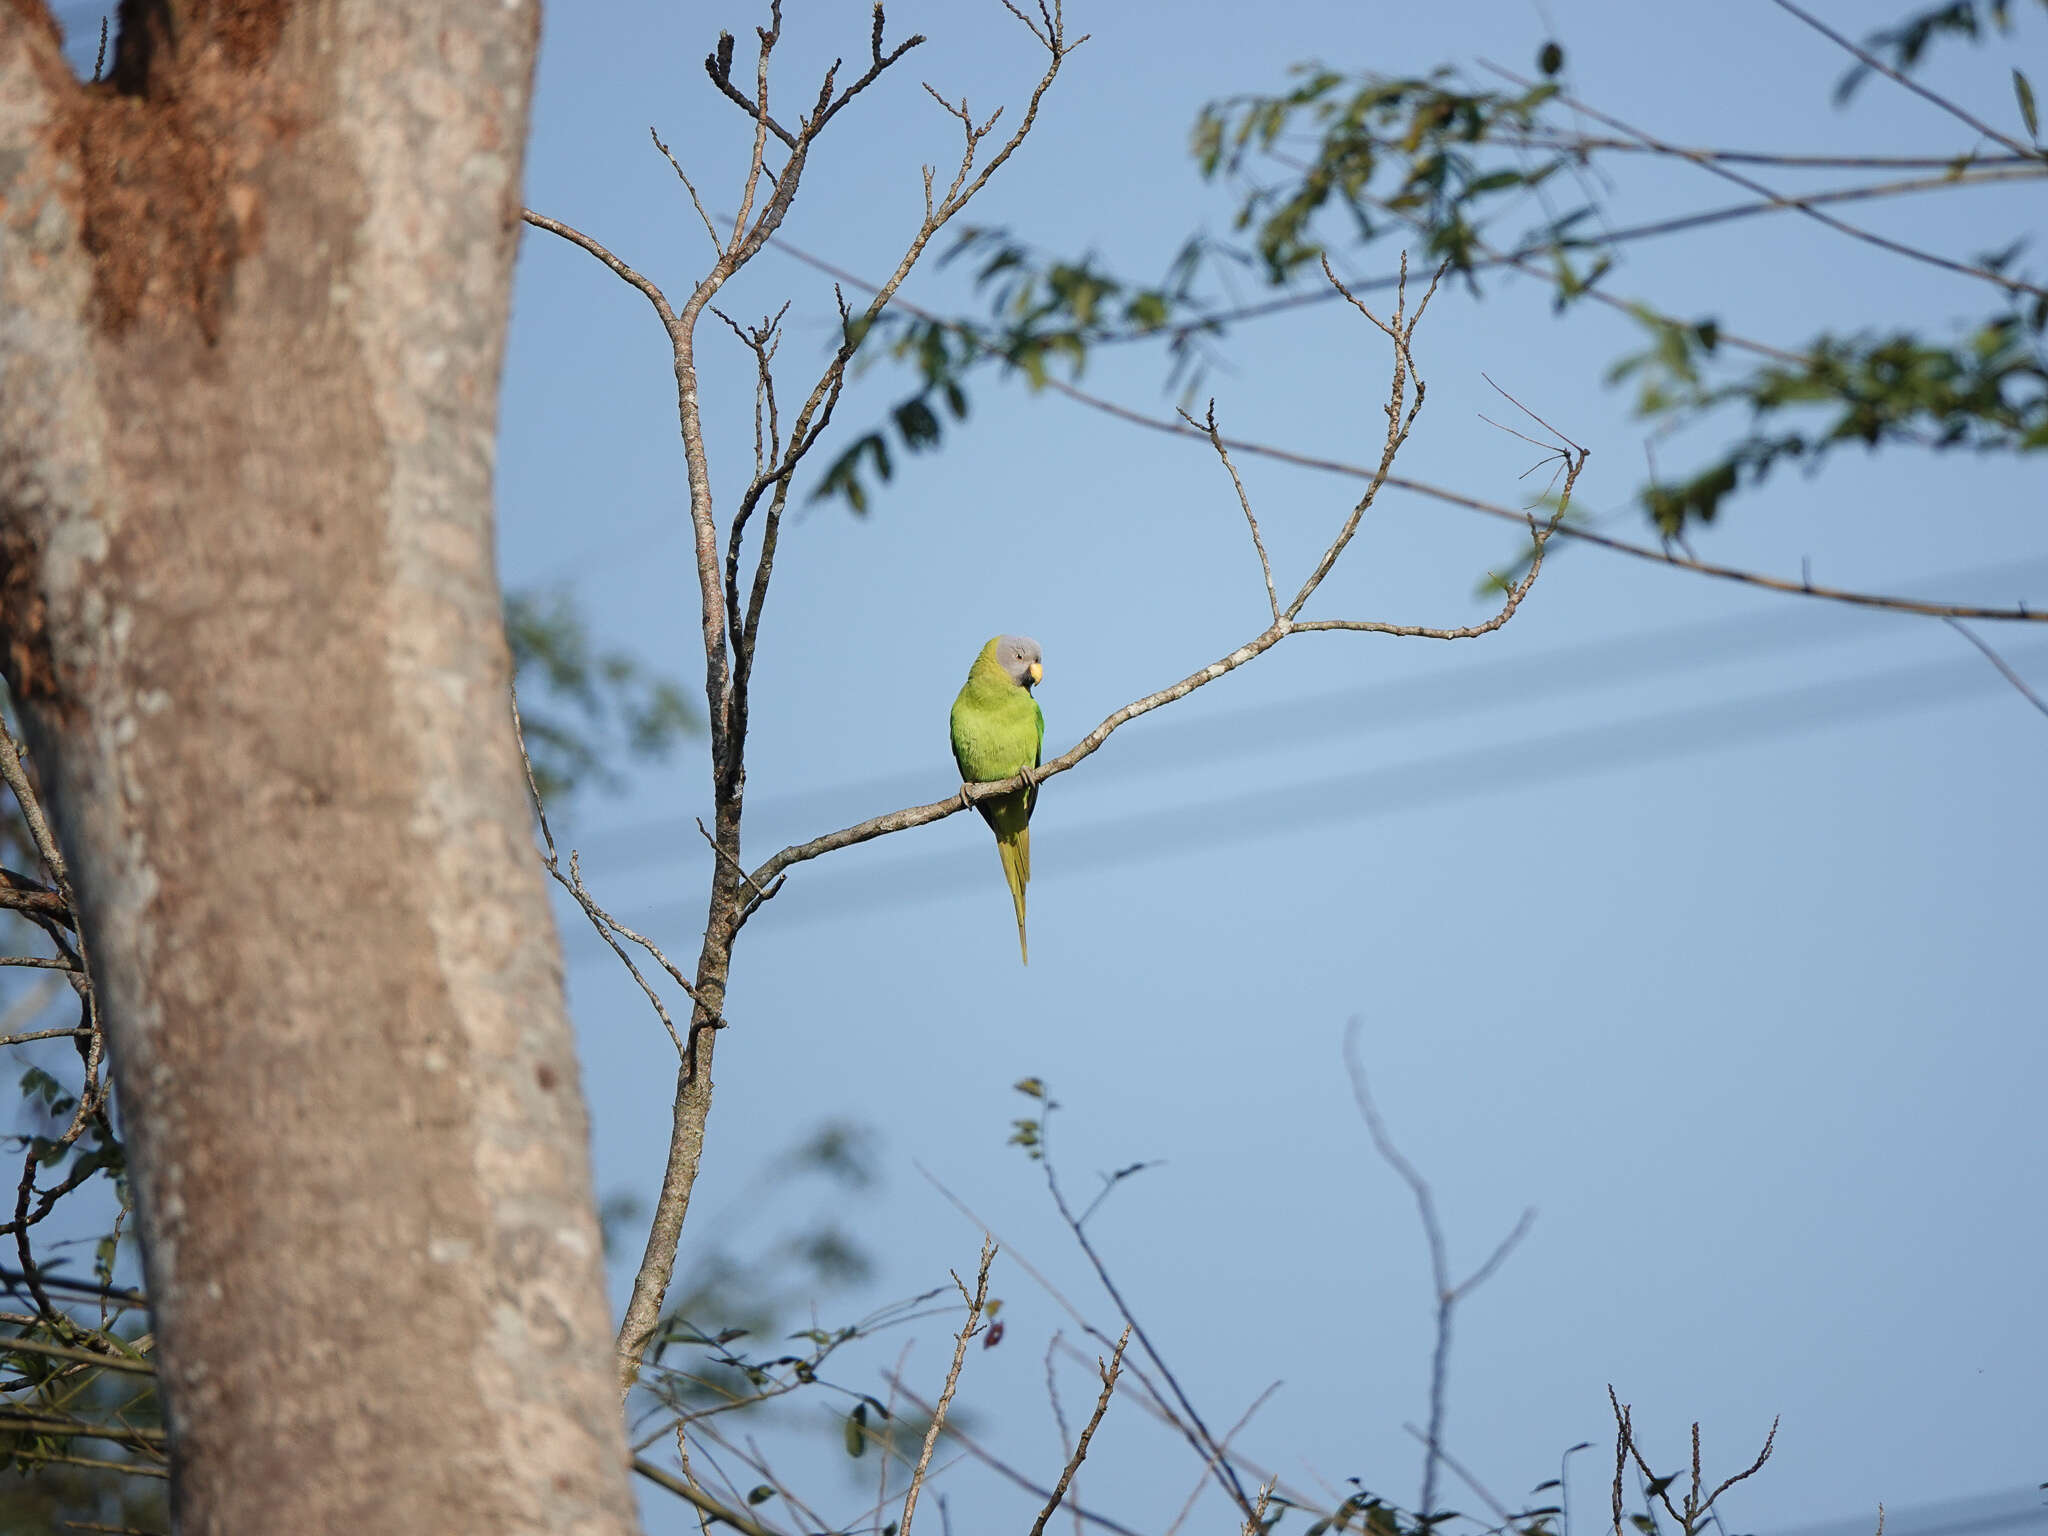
1037,758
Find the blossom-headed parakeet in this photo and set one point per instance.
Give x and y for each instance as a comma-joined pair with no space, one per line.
998,732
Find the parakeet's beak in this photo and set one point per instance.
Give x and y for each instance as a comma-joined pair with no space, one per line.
1036,674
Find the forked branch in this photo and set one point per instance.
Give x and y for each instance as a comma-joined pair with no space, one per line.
1403,405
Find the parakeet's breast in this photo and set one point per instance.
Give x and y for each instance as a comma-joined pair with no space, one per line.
994,736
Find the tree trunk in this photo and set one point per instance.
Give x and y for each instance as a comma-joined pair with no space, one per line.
252,303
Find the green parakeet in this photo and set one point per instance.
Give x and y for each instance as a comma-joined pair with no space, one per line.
998,732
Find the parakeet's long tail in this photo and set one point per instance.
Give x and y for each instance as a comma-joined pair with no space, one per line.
1016,854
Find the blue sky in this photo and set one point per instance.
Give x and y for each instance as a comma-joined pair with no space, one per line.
1706,922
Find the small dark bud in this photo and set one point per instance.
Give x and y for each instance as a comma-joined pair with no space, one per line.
1550,59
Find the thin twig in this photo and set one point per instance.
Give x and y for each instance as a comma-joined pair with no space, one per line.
1500,1510
127,1468
609,928
1109,1375
143,1439
1004,1470
45,1034
2011,285
709,228
2004,668
1197,1433
661,1477
1448,1292
1762,1456
1872,61
78,1287
1621,1442
1222,1450
577,238
977,1305
1059,1413
110,1362
1255,1519
1244,501
1581,144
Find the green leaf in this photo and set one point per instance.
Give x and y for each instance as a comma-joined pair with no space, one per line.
760,1495
857,1431
2025,93
1494,181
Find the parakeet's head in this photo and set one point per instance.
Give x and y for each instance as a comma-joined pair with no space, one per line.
1019,656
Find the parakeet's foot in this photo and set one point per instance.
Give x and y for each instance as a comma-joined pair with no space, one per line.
1030,776
966,800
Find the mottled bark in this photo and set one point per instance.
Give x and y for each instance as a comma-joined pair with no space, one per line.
252,303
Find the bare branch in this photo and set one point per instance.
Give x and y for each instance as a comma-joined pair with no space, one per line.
1448,1292
1762,1456
45,1034
2004,667
91,1093
1400,421
19,893
689,1492
877,62
1537,258
1191,1426
131,1365
1004,1470
1221,1451
1464,1473
577,238
730,639
606,925
1871,61
1621,1444
1255,1519
1258,543
977,1305
717,245
1109,1375
1582,144
718,65
1398,424
1840,226
16,775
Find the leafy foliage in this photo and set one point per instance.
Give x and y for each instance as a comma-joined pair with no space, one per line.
1041,311
1426,134
1905,46
1988,392
51,1475
1340,161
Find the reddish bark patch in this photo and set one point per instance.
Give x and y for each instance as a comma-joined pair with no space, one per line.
24,622
166,146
